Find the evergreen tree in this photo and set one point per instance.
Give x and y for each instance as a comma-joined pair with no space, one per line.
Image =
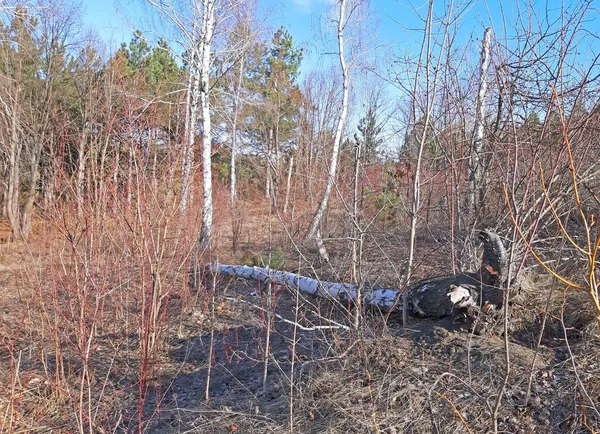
272,79
369,130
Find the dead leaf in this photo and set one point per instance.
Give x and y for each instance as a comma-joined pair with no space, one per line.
491,270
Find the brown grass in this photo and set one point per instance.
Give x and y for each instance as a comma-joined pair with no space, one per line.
73,285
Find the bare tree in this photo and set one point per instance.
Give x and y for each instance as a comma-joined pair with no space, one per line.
476,167
318,112
241,39
425,57
40,40
194,23
313,230
288,184
236,109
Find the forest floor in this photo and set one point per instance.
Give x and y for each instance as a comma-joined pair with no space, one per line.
321,376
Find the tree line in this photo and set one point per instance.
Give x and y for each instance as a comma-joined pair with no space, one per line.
220,94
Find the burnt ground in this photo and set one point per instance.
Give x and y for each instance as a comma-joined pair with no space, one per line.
322,375
434,377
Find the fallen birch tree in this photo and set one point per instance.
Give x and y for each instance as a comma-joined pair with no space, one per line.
435,297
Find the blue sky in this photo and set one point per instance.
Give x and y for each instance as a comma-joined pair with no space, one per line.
302,18
103,17
397,21
395,25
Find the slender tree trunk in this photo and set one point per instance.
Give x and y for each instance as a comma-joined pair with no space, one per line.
37,145
101,195
312,231
357,237
49,175
14,184
14,159
130,174
34,175
268,180
477,170
276,165
416,188
116,169
80,174
236,109
288,184
455,213
208,25
191,119
154,168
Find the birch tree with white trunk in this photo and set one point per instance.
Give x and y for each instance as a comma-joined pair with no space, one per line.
476,174
192,25
240,42
434,297
208,28
313,231
191,118
187,24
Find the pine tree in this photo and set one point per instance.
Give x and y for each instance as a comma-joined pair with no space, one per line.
272,79
369,130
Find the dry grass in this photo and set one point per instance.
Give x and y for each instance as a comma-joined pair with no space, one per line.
435,377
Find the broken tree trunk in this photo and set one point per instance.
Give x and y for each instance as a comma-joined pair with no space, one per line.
435,297
382,298
476,174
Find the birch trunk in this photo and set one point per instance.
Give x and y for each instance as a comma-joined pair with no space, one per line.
381,298
312,231
434,297
208,26
477,169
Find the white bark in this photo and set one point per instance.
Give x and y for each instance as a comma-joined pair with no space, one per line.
380,298
476,175
312,231
184,18
208,27
433,297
